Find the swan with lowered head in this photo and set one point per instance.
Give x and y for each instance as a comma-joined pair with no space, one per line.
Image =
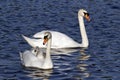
60,40
37,59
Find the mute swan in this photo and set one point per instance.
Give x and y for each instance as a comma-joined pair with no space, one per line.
35,58
61,40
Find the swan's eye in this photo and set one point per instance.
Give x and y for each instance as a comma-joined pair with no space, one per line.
86,13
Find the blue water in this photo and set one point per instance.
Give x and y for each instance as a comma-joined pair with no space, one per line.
30,16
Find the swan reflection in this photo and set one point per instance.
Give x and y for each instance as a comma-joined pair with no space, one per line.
40,74
66,51
82,67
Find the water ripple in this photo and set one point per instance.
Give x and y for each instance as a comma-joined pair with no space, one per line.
99,62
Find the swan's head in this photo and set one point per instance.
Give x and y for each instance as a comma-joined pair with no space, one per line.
47,36
84,13
35,50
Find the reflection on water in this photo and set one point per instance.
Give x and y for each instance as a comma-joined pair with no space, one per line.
40,74
82,67
62,67
84,56
66,51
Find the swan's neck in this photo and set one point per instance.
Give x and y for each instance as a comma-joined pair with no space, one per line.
48,48
85,42
48,61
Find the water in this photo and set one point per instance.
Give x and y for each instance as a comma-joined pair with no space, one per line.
30,16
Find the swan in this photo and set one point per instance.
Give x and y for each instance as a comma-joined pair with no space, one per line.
61,40
36,58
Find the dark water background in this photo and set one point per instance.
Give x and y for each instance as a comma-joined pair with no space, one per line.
30,16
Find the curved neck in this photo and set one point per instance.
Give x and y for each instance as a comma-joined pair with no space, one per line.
85,42
48,48
48,61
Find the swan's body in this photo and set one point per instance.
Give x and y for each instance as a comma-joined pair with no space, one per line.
57,42
61,40
35,58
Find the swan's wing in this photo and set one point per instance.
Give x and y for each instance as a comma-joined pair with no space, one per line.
27,58
40,34
59,40
21,58
34,42
30,60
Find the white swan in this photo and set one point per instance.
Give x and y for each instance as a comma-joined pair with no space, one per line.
35,58
61,40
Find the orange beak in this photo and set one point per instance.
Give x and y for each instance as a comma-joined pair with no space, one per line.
87,17
45,41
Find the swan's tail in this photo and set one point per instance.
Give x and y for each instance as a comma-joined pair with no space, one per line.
21,56
32,42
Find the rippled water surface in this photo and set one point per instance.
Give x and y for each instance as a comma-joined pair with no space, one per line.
101,61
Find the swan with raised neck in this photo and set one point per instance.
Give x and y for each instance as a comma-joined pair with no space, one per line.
60,40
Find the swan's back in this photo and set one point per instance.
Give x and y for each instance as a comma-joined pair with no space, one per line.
30,60
59,39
